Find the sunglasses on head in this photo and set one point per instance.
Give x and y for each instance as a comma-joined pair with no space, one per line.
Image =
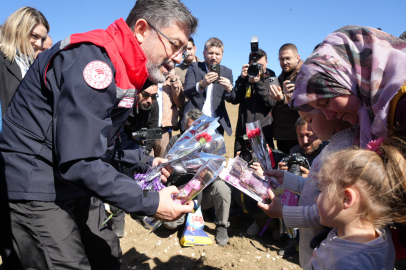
147,95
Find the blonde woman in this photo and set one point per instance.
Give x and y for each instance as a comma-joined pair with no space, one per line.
22,34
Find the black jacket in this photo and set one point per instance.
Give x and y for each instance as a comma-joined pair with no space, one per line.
257,107
10,78
59,135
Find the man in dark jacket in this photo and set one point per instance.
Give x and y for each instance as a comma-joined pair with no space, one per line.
255,101
58,139
145,114
284,118
202,90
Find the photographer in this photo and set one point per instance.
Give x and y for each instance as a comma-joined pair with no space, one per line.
309,146
255,101
284,118
145,115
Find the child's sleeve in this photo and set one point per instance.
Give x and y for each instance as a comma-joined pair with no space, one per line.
293,182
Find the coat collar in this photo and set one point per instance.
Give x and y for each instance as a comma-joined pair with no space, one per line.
12,67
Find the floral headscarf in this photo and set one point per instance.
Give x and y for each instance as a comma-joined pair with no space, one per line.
357,60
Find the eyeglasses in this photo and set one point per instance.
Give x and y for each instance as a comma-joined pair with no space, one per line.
174,46
147,95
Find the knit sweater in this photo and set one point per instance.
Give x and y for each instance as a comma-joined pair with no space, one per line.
335,253
306,215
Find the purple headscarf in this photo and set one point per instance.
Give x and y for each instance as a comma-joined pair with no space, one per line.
357,60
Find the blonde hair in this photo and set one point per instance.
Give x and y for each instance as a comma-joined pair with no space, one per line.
380,180
15,33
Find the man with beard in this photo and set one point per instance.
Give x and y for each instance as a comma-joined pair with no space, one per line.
309,145
202,89
58,139
283,118
146,113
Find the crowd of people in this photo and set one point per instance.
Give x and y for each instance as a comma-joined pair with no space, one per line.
339,114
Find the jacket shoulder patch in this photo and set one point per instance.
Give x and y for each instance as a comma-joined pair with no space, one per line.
98,75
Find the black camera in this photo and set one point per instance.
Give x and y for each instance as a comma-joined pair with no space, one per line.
142,135
248,153
294,162
215,68
255,68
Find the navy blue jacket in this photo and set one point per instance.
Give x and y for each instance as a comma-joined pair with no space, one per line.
59,133
195,74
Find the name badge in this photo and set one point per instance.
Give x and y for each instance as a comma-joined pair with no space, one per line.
126,102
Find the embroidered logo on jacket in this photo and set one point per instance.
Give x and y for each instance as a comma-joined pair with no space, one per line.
98,75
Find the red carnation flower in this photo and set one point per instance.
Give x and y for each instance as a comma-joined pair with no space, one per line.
204,136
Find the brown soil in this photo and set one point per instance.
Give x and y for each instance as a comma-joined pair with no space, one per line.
162,250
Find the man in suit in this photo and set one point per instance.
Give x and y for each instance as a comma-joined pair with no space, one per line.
203,93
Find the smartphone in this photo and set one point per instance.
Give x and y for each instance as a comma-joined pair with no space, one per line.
273,81
216,68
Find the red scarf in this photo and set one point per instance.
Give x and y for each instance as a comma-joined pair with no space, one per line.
124,52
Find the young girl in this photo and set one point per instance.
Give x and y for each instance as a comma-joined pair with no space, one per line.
305,216
361,192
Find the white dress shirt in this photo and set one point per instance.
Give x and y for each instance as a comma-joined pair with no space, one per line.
207,108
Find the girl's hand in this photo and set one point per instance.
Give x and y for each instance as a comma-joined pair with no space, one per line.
275,209
278,174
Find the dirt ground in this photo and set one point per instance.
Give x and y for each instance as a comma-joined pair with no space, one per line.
162,250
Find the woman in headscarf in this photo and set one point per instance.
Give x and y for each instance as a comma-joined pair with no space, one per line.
22,34
358,74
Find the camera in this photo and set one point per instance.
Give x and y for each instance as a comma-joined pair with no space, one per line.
248,153
216,68
141,136
255,68
294,162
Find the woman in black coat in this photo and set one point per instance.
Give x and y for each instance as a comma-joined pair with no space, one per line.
23,33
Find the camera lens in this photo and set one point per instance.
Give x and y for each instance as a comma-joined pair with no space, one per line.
253,71
246,156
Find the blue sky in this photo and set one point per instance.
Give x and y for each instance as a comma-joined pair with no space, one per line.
304,23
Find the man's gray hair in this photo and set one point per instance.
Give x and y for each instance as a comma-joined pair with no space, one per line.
162,14
300,122
213,42
193,114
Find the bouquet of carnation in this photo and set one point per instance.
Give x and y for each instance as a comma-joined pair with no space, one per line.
200,137
204,177
258,143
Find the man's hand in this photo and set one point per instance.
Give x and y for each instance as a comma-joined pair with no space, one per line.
288,87
283,166
256,166
275,92
255,80
244,71
226,84
168,210
277,174
209,78
173,77
165,173
158,161
275,209
305,172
